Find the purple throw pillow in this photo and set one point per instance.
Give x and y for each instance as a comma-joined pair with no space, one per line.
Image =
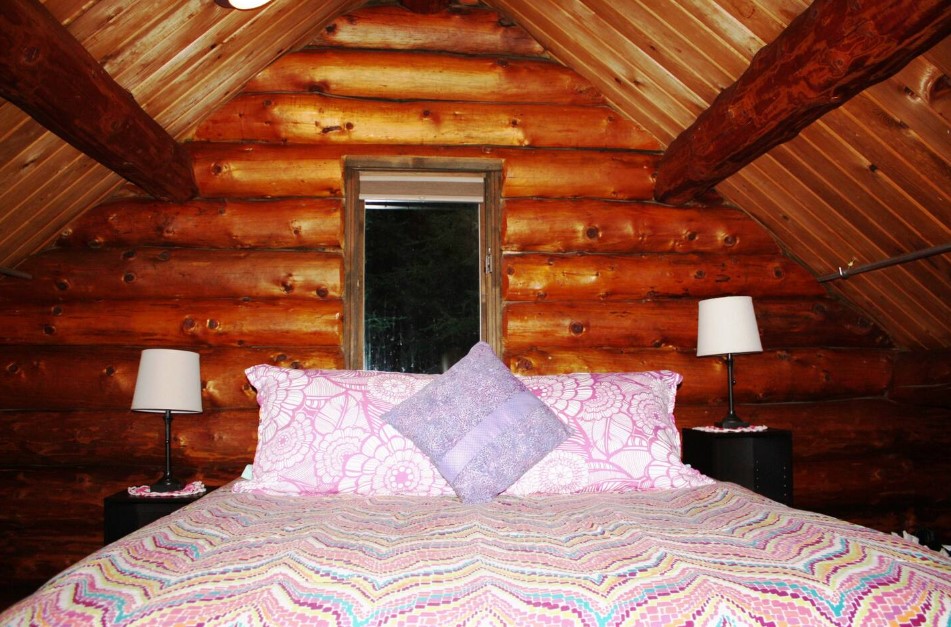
480,425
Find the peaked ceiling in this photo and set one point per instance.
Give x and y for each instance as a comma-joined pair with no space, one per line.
868,181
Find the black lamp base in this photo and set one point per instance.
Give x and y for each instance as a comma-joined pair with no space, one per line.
732,421
166,484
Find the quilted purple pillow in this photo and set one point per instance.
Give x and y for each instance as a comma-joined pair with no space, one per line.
624,435
320,432
480,425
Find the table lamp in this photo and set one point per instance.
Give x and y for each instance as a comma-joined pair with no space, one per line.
727,326
168,381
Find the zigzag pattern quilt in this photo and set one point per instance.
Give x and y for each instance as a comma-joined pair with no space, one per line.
714,555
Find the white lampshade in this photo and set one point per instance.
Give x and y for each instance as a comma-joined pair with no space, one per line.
727,325
168,380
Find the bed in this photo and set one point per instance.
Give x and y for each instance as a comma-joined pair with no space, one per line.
352,515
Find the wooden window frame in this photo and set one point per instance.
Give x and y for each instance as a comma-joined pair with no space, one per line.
490,244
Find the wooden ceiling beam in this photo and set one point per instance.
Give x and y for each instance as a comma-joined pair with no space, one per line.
828,54
46,72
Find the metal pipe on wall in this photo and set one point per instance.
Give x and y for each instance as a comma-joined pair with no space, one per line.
15,273
884,263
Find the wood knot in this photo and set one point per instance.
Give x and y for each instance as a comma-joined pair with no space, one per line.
30,55
217,168
13,368
280,358
128,277
322,292
592,232
287,287
188,324
576,328
690,236
524,365
110,370
164,255
57,310
128,254
62,285
730,240
699,274
49,329
213,324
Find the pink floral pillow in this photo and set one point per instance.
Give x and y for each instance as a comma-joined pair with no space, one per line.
623,435
320,432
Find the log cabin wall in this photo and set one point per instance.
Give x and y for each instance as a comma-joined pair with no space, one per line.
596,277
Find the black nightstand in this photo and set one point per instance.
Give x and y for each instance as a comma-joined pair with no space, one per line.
124,513
758,460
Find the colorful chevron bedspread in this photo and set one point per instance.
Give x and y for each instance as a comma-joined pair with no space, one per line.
716,555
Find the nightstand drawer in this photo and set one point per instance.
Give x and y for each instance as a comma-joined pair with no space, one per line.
124,513
760,460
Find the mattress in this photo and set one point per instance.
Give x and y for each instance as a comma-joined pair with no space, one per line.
713,555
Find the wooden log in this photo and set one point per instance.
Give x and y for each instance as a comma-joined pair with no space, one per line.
424,76
163,273
857,438
27,373
793,375
586,225
425,6
922,378
783,323
38,550
532,277
285,223
828,54
197,322
462,30
258,170
58,517
51,76
319,119
843,429
86,438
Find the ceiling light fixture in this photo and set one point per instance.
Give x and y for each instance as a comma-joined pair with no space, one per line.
241,5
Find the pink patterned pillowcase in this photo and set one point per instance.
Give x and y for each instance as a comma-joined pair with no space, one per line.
320,432
624,436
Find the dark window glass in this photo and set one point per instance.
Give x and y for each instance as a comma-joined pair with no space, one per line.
421,283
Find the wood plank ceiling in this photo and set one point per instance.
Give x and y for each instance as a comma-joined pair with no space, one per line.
868,181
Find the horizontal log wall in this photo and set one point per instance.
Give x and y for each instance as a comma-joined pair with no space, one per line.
596,277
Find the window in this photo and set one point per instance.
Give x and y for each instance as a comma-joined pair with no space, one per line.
422,276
